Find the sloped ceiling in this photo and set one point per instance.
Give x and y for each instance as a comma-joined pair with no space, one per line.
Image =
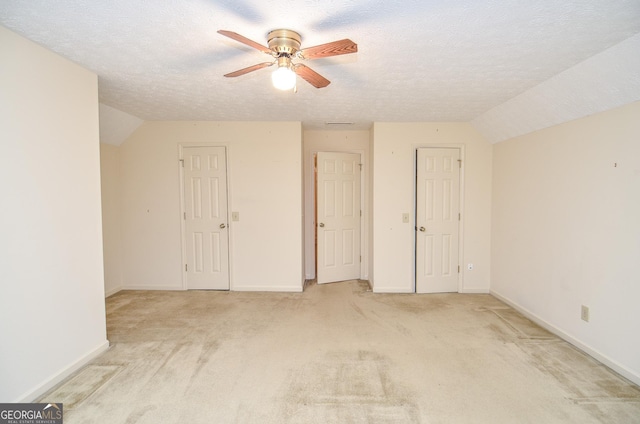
116,126
417,61
602,82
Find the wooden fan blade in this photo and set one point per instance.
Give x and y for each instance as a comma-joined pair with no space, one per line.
245,40
335,48
311,76
249,69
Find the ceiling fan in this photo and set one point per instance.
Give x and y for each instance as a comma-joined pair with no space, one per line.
284,46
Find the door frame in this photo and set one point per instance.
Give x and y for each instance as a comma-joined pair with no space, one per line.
460,147
364,246
183,232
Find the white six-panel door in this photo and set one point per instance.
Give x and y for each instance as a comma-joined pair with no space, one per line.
338,216
205,215
437,220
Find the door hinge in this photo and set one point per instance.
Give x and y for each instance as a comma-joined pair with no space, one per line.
360,259
181,162
360,165
459,163
187,269
360,212
184,215
458,216
458,269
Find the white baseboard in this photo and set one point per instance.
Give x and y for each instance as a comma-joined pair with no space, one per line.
112,292
166,288
463,291
62,374
604,359
234,288
474,291
289,289
377,289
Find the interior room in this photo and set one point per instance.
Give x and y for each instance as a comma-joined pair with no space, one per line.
123,125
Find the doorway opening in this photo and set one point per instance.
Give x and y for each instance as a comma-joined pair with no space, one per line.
337,216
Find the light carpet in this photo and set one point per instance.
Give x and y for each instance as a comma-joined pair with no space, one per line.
336,353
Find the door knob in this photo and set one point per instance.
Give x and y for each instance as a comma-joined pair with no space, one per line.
223,226
423,229
321,225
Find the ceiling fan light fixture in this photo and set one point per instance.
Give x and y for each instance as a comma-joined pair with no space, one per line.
284,78
284,44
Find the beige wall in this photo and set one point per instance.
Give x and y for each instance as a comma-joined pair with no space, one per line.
394,147
335,141
566,231
265,187
52,315
111,242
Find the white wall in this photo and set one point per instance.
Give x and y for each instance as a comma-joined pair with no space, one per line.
566,231
112,243
335,141
52,315
265,188
394,146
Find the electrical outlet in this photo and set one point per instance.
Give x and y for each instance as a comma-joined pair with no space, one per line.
470,267
405,218
235,216
584,313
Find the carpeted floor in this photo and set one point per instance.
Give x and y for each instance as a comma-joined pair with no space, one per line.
336,353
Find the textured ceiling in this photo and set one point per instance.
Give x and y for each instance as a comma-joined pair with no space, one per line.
417,61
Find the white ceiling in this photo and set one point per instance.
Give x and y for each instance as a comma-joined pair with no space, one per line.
418,60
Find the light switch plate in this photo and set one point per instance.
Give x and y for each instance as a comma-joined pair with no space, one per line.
405,218
235,216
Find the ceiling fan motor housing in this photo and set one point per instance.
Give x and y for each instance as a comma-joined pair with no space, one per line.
284,42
